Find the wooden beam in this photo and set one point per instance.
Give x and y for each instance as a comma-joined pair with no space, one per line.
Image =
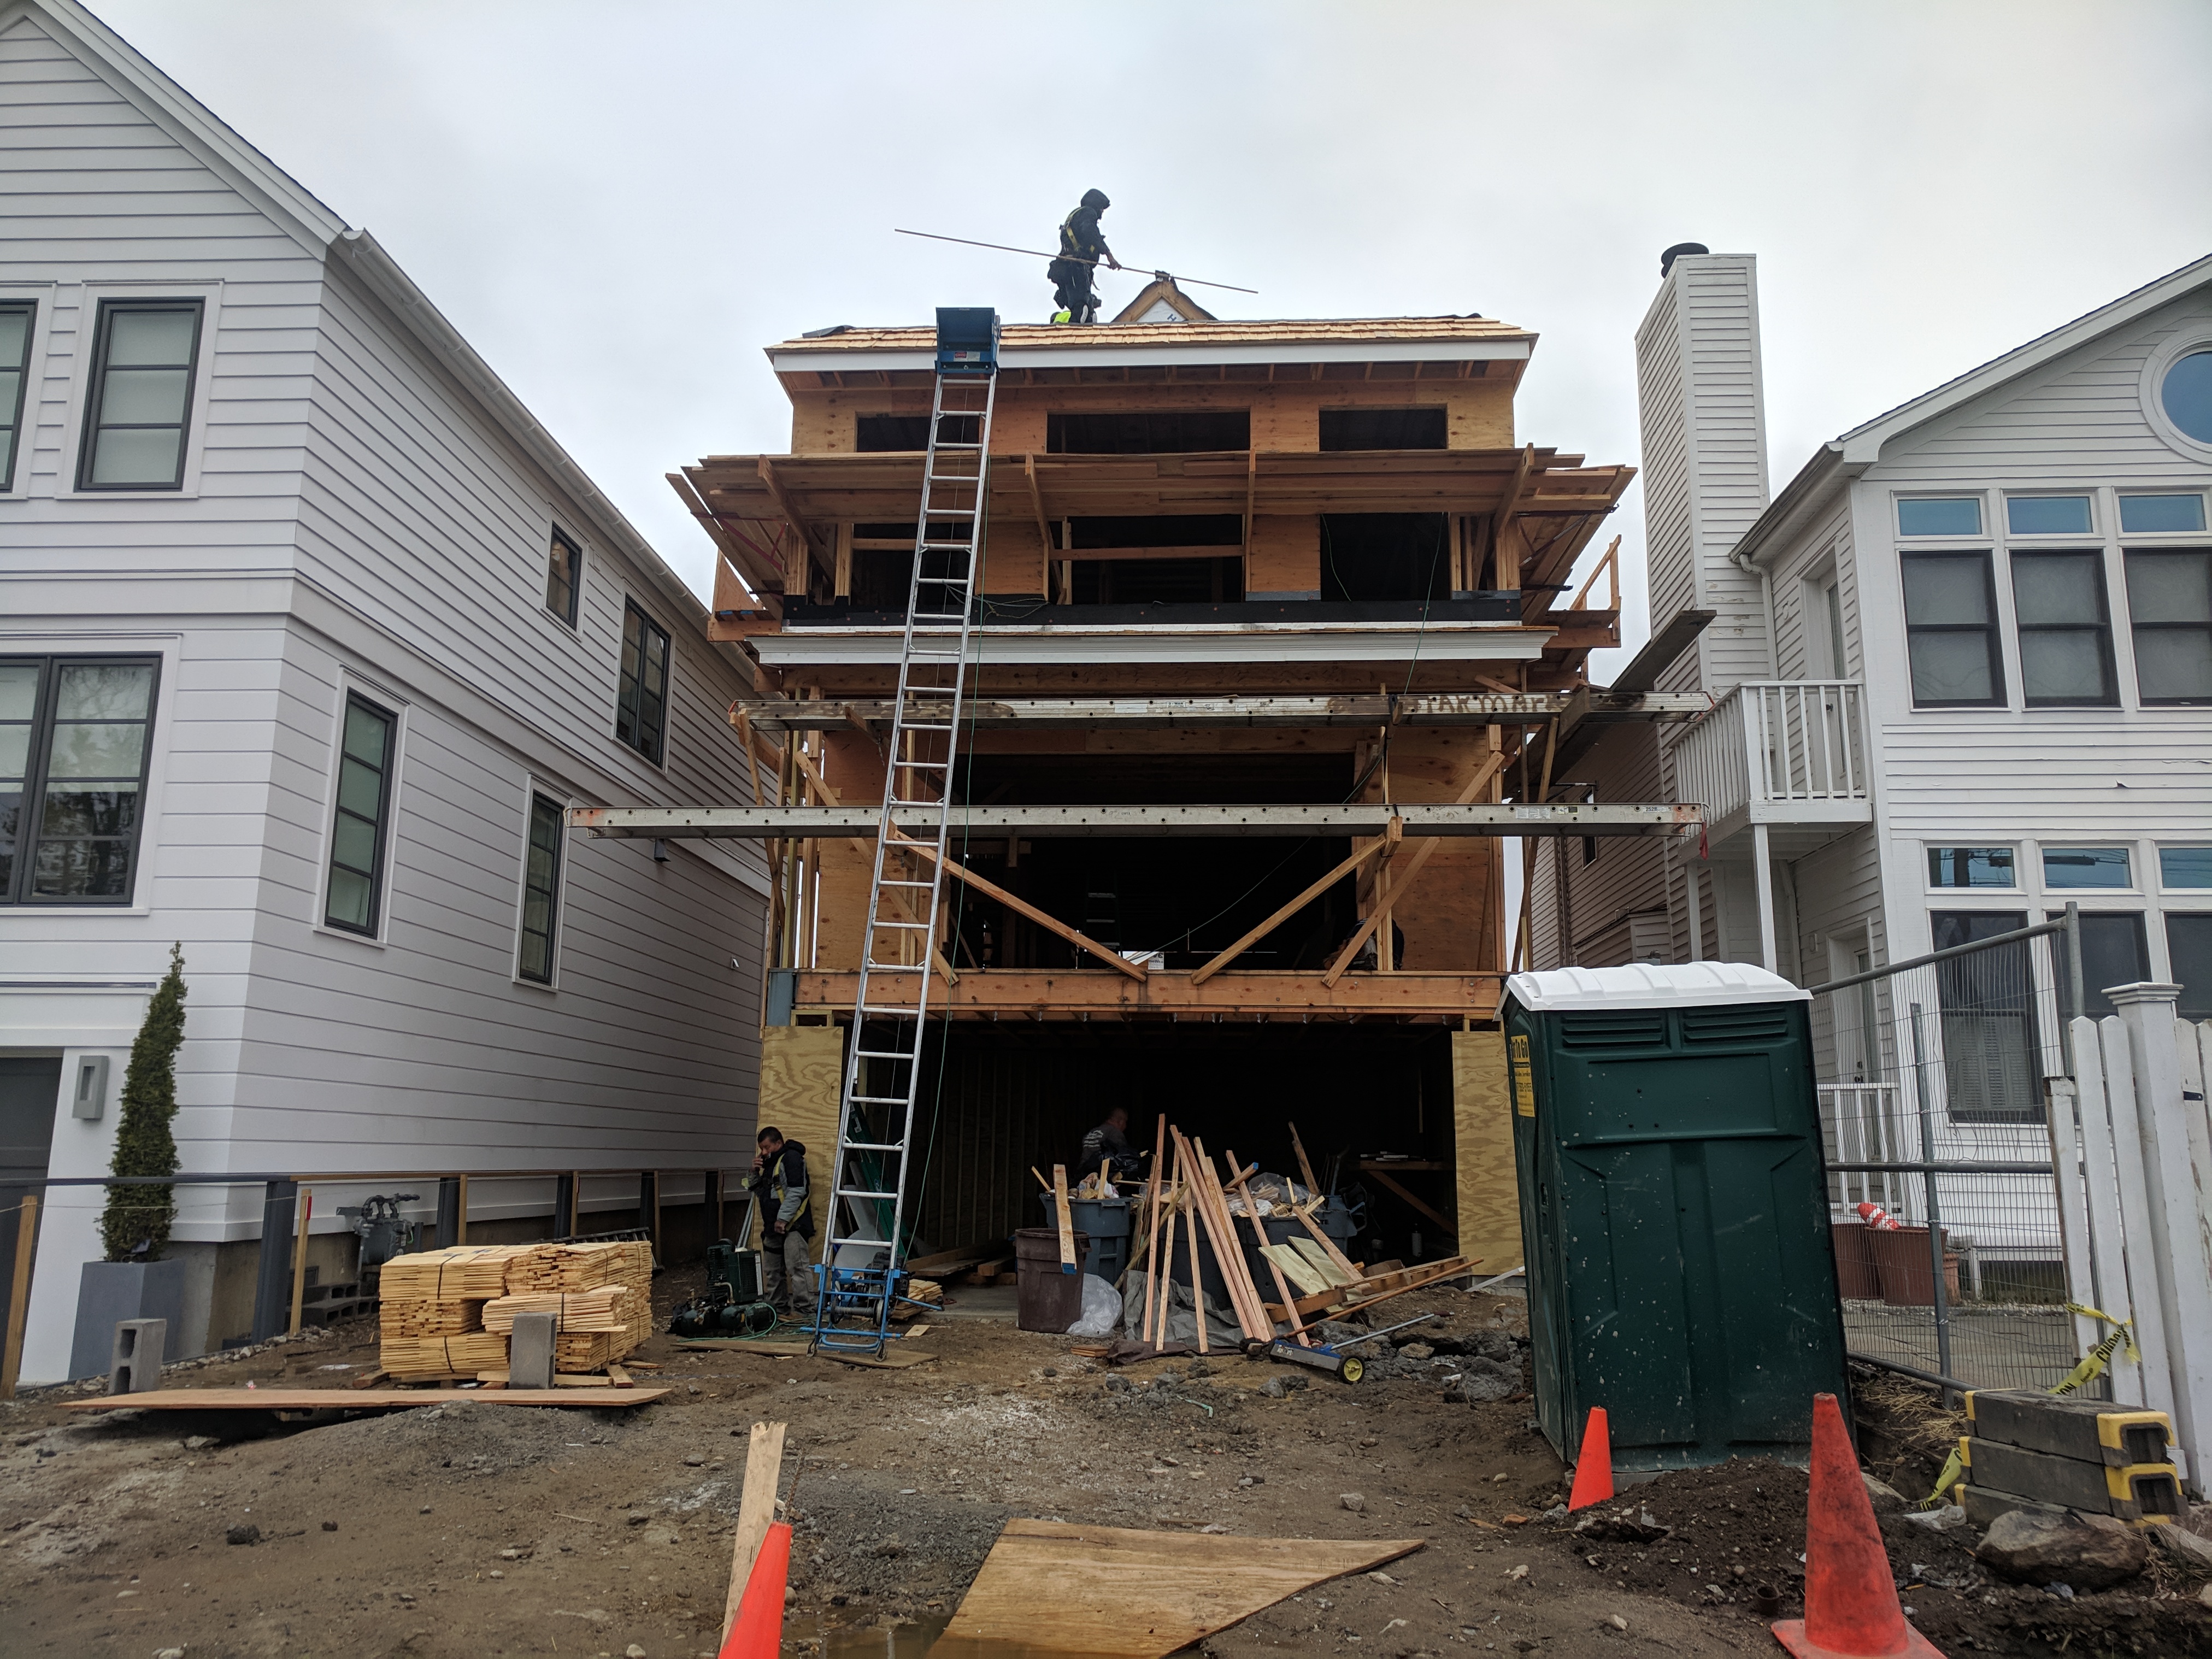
1610,559
953,867
820,786
1444,1226
1080,994
751,570
1036,505
1504,536
841,576
790,516
1395,832
755,1512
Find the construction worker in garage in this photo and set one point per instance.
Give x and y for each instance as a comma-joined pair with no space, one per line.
1082,247
779,1188
1109,1144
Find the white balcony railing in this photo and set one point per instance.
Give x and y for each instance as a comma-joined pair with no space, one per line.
1779,752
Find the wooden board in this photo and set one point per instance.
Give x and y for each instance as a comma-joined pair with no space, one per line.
892,1359
1488,1189
801,1070
755,1511
1111,1590
308,1400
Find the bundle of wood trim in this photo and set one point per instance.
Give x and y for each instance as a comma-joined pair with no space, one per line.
584,1311
460,1272
420,1317
571,1267
412,1356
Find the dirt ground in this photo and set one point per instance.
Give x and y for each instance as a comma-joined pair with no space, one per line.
481,1529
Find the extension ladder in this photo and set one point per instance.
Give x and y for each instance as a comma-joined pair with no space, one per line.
899,950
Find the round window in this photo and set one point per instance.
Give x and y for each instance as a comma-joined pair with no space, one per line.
2186,392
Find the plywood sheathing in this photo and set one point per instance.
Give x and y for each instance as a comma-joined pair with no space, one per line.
1489,1209
801,1072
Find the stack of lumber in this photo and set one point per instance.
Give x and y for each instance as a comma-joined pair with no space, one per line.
474,1272
591,1311
431,1322
581,1266
594,1351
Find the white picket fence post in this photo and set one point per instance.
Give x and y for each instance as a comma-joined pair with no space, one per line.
2104,1196
2176,1158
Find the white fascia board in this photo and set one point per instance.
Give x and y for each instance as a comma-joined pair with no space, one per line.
1864,444
288,203
1118,356
1815,484
1068,647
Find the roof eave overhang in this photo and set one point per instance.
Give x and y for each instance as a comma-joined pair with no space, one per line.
1168,354
1829,469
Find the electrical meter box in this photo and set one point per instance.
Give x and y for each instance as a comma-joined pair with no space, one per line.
1673,1201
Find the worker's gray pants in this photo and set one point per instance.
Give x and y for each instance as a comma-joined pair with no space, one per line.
788,1271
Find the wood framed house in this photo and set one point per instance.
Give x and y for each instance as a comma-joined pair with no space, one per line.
1265,606
309,635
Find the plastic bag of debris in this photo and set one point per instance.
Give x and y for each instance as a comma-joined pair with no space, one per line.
1102,1309
1221,1330
1270,1192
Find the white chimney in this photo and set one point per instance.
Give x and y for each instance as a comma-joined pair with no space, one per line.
1703,417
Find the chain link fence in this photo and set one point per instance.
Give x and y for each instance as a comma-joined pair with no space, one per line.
1942,1195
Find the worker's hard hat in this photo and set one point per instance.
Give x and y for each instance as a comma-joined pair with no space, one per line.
1095,198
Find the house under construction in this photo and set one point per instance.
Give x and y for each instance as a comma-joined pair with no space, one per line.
1268,641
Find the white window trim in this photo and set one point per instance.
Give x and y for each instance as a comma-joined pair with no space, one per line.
82,351
348,683
42,296
168,646
2194,337
532,786
1981,538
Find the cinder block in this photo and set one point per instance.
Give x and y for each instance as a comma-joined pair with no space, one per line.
136,1363
2131,1492
530,1351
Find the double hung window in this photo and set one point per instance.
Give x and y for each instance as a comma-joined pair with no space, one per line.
144,353
16,316
2170,615
1950,625
564,577
541,890
2065,631
75,738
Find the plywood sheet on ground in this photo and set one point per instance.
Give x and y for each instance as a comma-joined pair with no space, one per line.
1482,1148
1109,1590
350,1399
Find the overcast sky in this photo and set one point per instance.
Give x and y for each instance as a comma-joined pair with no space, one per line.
619,205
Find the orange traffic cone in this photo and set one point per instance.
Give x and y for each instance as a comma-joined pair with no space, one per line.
1593,1464
757,1630
1851,1610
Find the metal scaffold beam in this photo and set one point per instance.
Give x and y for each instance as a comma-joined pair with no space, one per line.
1416,819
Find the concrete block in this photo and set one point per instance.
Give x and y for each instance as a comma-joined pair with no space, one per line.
530,1351
136,1365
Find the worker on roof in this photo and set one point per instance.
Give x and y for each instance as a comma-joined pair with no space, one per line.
779,1188
1082,247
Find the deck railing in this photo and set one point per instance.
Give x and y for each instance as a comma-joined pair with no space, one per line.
1771,746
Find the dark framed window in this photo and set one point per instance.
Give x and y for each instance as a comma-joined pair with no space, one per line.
75,736
1986,1008
2115,950
139,411
2065,629
641,700
541,890
564,577
16,316
2189,956
354,900
1971,867
2170,616
1950,629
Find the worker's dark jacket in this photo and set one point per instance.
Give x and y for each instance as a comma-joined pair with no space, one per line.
782,1186
1081,240
1104,1143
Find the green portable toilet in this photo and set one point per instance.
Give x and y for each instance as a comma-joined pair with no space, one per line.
1674,1200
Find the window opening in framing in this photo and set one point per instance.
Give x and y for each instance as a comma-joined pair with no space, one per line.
1383,429
1385,555
1148,432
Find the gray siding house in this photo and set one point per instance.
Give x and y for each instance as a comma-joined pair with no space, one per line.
309,635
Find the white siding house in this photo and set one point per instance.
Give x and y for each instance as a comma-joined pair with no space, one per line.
356,630
1984,626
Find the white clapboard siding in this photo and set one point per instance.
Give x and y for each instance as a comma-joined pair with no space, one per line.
1704,447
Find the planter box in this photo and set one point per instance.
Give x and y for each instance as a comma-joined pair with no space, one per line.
1907,1279
111,1291
1858,1278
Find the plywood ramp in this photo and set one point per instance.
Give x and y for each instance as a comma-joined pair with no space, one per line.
1051,1588
1482,1150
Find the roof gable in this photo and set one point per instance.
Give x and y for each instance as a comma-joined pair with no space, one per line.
1162,302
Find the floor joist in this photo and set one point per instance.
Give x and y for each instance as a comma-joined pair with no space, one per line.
1417,819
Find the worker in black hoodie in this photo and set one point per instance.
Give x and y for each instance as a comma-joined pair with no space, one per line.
1082,249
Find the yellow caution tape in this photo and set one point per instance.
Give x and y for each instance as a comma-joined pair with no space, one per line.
1952,1468
2094,1363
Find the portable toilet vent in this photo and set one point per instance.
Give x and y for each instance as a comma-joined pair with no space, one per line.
1673,1198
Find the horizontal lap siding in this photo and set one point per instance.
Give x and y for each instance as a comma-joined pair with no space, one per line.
1629,876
